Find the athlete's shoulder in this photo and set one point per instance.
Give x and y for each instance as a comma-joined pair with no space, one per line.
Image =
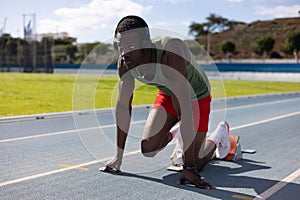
166,40
175,47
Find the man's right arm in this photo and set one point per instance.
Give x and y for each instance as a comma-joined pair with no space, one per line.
123,115
123,107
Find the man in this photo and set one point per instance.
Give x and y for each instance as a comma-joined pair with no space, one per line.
184,95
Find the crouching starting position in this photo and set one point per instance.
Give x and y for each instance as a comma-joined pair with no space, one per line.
183,95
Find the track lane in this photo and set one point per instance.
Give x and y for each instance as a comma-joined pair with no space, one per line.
260,124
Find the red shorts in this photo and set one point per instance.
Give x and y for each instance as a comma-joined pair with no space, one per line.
201,114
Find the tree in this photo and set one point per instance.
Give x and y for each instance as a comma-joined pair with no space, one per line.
65,41
197,29
71,51
11,46
88,47
292,44
264,45
8,50
228,48
214,24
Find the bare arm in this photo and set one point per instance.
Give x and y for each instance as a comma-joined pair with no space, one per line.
123,115
124,107
175,62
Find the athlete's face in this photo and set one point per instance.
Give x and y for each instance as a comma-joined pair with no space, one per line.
129,48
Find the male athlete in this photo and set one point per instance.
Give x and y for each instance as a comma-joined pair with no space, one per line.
183,96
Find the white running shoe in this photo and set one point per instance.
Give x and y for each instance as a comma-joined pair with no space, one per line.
238,153
177,155
235,152
223,144
175,131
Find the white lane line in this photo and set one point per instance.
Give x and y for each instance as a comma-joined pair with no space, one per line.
42,135
141,121
266,120
127,154
275,188
64,132
256,104
61,170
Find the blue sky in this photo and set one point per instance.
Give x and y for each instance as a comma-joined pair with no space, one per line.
95,20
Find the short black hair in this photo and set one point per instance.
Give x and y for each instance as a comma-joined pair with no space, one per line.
132,22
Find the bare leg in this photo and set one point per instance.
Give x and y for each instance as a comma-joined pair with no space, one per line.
205,153
156,134
190,170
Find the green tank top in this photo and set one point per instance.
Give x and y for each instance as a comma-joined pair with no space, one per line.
196,76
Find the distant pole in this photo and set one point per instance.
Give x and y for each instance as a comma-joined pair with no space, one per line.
19,51
30,38
34,42
2,31
45,52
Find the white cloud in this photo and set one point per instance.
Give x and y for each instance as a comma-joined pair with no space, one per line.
163,24
235,1
278,11
170,28
175,1
270,1
171,24
94,16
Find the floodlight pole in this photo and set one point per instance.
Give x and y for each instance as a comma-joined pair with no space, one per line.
30,36
2,31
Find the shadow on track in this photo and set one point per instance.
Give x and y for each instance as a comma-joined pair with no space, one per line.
225,179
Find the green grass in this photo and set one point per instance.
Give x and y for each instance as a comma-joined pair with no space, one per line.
241,88
23,94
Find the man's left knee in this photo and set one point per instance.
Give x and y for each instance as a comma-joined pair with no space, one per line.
148,149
